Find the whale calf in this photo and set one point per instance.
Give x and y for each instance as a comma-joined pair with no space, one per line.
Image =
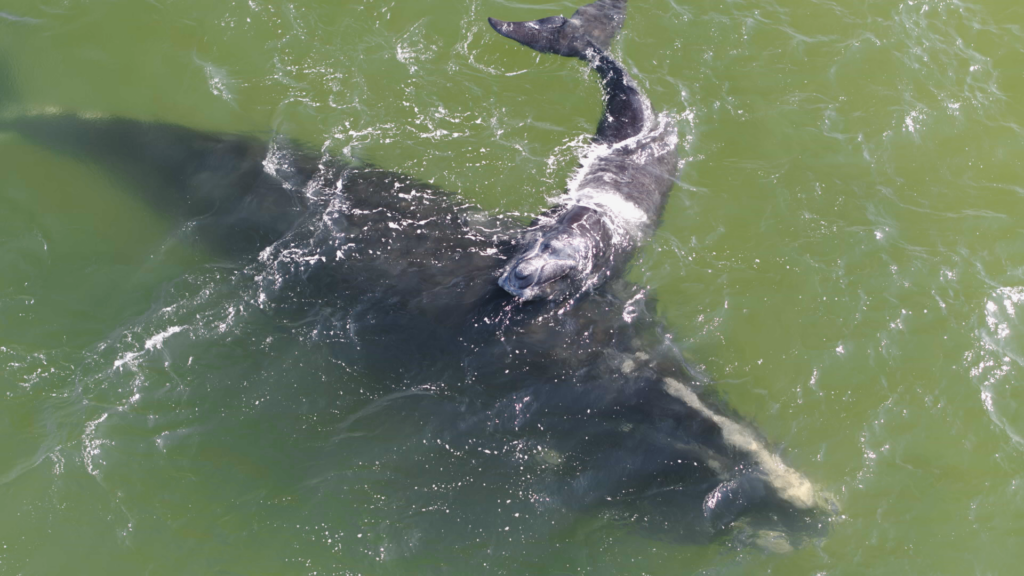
613,202
407,273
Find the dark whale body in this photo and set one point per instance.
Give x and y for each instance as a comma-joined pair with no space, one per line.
616,198
412,274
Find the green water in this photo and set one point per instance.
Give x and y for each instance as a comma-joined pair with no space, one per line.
841,257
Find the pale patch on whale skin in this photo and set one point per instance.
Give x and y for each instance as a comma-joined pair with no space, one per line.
790,485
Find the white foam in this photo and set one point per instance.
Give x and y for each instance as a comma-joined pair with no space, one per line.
611,203
625,218
157,341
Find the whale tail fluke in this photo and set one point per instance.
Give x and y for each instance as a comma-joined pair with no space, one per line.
591,28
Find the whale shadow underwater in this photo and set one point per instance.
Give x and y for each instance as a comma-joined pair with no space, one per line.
526,335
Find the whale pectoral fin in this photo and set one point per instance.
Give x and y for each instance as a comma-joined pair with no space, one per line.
730,499
592,27
217,183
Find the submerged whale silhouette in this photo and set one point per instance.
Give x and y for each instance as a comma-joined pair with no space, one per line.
593,381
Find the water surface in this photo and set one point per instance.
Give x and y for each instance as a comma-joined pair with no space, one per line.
841,258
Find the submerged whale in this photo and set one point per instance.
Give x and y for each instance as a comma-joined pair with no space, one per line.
430,290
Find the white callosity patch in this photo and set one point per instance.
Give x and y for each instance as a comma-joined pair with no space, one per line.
791,485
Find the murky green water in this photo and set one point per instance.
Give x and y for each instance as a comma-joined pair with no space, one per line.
842,257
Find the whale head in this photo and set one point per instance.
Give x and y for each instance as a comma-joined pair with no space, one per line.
556,259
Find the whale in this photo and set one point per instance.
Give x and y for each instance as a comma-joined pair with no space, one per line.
613,202
531,333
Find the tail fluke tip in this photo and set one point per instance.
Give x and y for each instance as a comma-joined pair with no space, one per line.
591,28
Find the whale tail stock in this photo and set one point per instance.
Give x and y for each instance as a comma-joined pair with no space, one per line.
587,36
590,29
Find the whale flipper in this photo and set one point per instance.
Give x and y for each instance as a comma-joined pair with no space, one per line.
220,183
592,27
